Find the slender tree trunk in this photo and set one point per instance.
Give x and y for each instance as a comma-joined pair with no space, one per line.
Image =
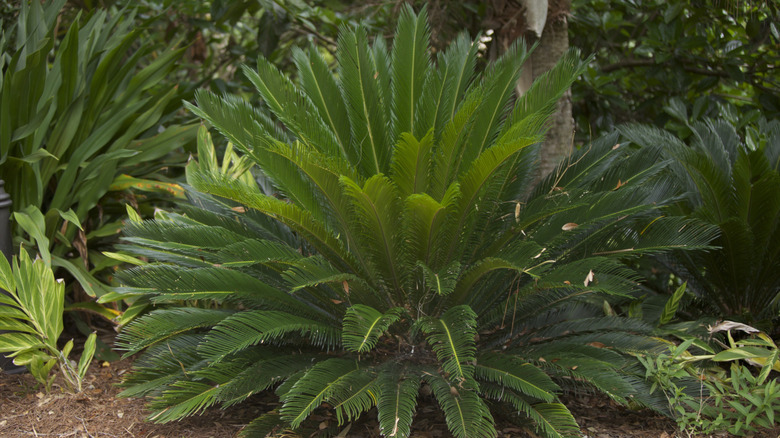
553,43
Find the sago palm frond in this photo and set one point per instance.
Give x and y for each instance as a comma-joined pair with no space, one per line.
364,325
735,186
397,401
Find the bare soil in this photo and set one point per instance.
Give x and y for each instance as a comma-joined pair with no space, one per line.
27,411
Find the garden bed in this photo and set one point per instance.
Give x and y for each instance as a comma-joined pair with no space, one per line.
98,412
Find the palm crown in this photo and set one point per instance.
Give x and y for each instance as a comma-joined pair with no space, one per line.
734,184
401,248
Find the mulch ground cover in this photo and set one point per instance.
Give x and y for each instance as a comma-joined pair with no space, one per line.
28,411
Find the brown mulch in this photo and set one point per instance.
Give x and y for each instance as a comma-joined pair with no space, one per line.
27,411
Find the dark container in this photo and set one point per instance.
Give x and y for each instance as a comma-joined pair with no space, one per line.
6,245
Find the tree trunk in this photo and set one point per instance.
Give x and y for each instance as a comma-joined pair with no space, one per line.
553,43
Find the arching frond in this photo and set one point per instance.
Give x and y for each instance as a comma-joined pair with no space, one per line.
191,236
453,139
410,65
466,413
322,89
452,339
411,163
363,325
263,425
523,258
364,101
249,252
314,387
247,328
291,215
384,77
314,271
397,402
162,324
553,419
516,374
498,83
455,72
536,105
429,225
181,399
478,173
376,208
292,107
166,282
261,375
161,365
443,282
236,119
357,394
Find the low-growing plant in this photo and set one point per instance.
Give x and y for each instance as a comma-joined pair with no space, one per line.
31,322
398,250
704,398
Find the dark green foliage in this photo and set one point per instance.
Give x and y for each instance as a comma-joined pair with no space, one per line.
733,183
700,53
412,256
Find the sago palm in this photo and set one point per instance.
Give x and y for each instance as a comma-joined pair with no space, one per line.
732,183
399,249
